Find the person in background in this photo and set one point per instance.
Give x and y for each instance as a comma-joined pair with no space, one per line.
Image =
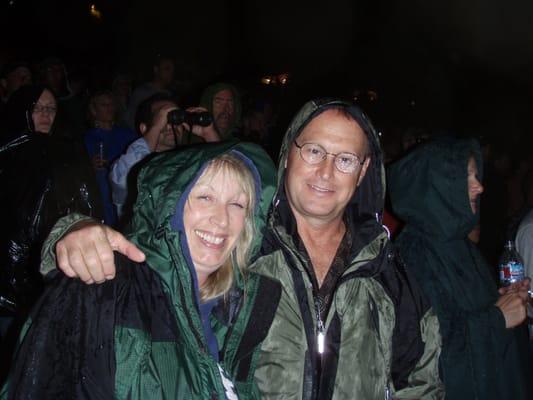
104,143
121,88
223,101
14,75
157,135
44,175
162,78
524,235
436,190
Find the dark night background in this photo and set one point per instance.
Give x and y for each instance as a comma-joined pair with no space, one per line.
449,64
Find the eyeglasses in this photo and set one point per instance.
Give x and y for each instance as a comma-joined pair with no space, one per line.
44,109
313,153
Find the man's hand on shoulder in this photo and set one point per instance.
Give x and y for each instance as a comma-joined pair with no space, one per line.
86,252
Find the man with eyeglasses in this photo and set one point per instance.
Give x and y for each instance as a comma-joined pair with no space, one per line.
351,323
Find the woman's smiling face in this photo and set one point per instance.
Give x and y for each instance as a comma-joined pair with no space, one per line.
214,218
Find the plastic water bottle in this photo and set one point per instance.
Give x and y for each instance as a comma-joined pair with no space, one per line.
511,265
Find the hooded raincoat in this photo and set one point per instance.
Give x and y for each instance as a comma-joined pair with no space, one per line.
206,101
381,337
144,335
43,177
429,191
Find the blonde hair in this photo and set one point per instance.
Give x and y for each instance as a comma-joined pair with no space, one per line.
234,168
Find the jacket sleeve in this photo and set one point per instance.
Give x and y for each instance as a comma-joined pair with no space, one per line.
62,226
66,349
416,341
118,176
423,382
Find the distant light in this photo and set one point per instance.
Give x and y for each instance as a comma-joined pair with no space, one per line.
372,95
95,13
283,78
266,80
11,2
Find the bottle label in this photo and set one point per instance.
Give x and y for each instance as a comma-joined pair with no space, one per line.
511,272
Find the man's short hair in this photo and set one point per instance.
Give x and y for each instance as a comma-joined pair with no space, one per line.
343,111
144,112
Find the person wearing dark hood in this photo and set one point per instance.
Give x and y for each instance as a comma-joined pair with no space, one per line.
186,323
44,177
52,73
351,323
223,101
435,189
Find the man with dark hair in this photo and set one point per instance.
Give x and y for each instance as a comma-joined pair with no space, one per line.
162,77
157,135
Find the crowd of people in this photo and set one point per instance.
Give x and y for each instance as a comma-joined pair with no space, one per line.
154,250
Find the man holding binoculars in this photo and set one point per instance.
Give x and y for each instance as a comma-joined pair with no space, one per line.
162,126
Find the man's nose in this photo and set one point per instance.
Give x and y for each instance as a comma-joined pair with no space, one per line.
327,167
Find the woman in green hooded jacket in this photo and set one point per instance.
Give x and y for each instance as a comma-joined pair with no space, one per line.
184,324
435,189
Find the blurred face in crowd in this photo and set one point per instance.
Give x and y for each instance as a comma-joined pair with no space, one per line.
214,218
223,110
103,109
44,112
164,72
15,79
474,186
54,76
122,88
166,139
319,193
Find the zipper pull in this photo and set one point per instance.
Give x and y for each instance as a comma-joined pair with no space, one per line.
388,394
321,337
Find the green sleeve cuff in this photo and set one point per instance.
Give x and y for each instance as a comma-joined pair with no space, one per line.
61,227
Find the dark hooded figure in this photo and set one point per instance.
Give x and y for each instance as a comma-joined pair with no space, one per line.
222,100
435,190
43,176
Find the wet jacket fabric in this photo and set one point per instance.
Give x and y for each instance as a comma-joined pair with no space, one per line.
429,191
141,335
381,337
44,177
206,100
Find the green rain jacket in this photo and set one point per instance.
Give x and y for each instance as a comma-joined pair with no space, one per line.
381,337
429,191
140,335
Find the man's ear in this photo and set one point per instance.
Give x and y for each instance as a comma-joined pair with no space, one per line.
143,128
363,170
